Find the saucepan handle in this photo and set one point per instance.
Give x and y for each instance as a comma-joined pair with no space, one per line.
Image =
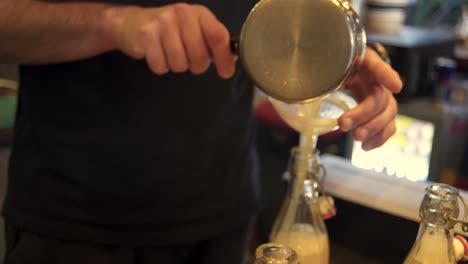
235,45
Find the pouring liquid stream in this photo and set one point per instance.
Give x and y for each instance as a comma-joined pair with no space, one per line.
307,144
311,246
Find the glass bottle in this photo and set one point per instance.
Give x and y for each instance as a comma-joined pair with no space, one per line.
434,242
273,253
299,223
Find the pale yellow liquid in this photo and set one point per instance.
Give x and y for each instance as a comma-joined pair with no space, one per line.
309,111
433,250
300,117
311,248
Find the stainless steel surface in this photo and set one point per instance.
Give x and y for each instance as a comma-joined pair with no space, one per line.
301,50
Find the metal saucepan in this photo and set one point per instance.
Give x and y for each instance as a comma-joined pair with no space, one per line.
298,51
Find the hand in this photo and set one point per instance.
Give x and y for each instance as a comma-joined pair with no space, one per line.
373,120
177,38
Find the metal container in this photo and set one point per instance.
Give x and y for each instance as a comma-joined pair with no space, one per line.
298,51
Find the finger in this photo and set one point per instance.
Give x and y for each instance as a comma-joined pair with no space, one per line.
155,56
193,39
217,38
374,126
381,71
375,102
358,87
172,42
380,138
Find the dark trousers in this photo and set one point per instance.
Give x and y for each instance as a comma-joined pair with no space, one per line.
28,248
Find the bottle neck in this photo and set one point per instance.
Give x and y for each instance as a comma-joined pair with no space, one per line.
434,242
439,206
305,173
435,224
272,253
437,230
304,165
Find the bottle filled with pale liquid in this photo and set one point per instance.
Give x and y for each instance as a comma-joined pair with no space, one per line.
434,242
300,224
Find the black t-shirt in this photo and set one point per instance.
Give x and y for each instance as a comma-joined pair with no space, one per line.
105,151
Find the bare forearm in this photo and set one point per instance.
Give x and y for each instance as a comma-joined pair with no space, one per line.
39,32
175,37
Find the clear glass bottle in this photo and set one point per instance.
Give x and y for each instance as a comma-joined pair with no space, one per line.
273,253
434,242
299,223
